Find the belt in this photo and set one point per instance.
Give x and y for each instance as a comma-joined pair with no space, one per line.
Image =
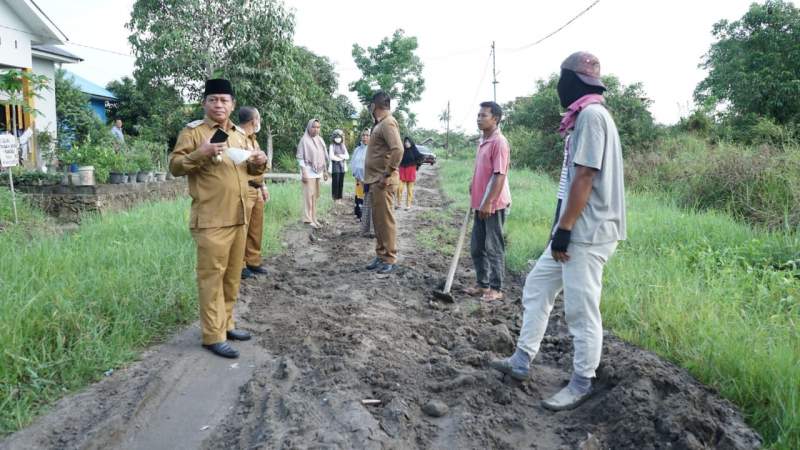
254,184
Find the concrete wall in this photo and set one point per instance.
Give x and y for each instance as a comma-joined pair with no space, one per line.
15,46
69,203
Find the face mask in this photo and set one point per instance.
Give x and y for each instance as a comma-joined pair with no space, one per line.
257,128
338,140
570,88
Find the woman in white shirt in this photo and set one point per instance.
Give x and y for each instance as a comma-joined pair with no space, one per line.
338,156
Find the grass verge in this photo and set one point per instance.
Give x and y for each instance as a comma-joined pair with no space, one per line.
713,295
76,305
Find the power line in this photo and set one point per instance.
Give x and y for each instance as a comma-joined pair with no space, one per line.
69,42
100,49
478,89
524,47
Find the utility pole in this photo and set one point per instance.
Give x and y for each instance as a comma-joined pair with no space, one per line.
447,130
494,73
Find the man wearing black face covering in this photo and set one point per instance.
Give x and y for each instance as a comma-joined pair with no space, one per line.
585,233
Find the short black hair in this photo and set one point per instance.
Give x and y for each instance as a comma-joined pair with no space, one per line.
246,114
497,111
382,100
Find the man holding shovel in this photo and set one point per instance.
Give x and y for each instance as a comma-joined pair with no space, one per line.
584,237
490,197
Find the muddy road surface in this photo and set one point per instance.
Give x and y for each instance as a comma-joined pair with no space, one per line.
343,358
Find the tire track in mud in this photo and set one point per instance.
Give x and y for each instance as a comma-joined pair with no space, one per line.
328,334
341,334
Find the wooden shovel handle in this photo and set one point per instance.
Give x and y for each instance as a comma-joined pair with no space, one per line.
454,262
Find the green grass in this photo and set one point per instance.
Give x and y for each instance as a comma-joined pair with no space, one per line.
76,305
709,293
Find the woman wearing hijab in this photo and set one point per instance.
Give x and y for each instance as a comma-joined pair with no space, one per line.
313,161
338,156
357,166
408,172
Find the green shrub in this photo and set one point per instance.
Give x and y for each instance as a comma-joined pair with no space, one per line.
760,185
533,148
148,155
285,162
100,155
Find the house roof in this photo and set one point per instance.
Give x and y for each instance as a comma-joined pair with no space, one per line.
54,53
92,90
43,29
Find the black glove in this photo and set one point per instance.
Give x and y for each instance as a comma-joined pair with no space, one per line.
560,240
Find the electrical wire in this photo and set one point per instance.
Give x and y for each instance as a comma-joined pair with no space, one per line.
552,33
478,89
70,42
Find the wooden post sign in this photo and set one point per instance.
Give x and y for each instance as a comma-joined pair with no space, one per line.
9,157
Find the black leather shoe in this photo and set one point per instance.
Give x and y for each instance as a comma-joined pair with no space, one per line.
387,268
376,263
238,335
222,349
257,270
246,273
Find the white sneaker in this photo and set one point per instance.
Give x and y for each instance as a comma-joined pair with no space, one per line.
565,399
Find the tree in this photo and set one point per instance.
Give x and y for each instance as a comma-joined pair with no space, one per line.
155,113
393,67
75,121
531,122
181,43
754,64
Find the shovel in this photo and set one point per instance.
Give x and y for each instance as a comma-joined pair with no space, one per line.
445,294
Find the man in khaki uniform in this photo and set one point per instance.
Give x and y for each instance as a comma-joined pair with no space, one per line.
384,153
218,188
257,195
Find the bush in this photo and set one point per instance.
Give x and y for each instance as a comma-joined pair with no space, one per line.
533,148
99,155
758,184
23,176
285,162
149,155
532,123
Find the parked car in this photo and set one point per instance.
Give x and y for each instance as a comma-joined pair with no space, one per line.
428,157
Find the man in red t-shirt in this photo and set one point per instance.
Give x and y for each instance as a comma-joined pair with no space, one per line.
490,198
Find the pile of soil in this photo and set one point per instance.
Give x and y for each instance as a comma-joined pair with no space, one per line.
344,358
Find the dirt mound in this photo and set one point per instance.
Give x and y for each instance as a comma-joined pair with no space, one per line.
349,359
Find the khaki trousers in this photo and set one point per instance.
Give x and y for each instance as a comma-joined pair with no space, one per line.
310,197
220,252
383,220
255,228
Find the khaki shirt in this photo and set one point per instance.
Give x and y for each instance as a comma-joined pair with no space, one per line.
384,152
218,190
252,144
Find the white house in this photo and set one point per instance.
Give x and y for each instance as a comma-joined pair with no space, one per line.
28,40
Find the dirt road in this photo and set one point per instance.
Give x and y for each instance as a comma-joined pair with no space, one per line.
330,335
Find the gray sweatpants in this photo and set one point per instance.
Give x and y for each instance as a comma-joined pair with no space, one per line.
581,278
488,250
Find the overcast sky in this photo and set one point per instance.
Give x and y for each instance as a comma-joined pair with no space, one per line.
658,43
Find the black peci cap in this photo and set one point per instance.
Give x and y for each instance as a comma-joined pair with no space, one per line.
218,86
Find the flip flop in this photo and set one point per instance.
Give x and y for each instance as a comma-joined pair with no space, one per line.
474,291
492,296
